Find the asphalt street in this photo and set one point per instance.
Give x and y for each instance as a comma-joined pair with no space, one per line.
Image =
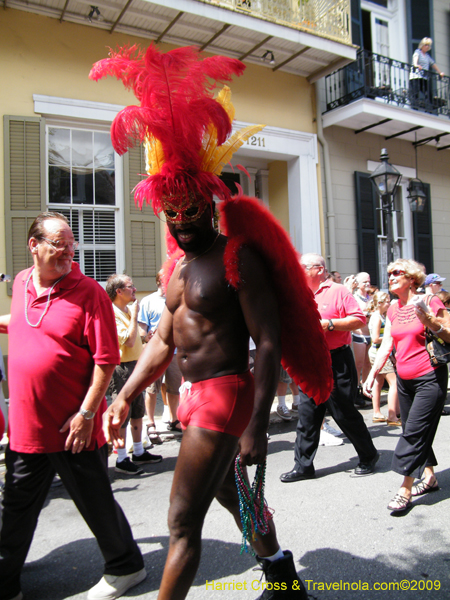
345,542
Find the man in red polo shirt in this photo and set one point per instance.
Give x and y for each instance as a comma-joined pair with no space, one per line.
62,351
340,315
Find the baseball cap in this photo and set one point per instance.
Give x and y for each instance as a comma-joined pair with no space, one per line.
433,278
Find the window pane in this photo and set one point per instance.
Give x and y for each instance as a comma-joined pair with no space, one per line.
88,229
105,264
105,191
59,165
104,228
82,167
99,264
58,185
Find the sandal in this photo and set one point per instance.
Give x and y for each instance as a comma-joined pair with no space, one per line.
152,434
394,423
174,426
379,419
402,502
422,488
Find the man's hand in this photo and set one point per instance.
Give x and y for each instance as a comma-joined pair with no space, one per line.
324,323
113,419
134,310
253,446
80,433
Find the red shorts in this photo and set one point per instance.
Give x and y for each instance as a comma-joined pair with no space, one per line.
222,404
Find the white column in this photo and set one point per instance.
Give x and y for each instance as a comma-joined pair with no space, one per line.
248,185
304,222
262,179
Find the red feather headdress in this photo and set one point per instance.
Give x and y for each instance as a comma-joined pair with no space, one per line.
183,127
185,132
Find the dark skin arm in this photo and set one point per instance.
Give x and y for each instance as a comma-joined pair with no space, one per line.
152,363
260,309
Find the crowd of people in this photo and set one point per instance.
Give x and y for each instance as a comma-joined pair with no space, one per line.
70,341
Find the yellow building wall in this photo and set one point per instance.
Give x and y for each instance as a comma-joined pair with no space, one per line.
40,55
278,192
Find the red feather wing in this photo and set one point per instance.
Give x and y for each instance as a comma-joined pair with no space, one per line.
305,354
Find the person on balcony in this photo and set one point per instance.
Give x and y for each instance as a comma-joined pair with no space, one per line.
422,65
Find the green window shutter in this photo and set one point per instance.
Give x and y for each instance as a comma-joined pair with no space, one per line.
24,152
423,236
367,226
142,228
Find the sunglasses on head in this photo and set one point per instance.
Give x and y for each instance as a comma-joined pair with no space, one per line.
396,273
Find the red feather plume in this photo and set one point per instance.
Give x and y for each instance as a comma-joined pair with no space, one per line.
175,90
305,354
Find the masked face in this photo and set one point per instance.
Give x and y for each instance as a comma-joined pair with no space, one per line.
184,210
193,235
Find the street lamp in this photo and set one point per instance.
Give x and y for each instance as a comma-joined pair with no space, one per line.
386,179
416,196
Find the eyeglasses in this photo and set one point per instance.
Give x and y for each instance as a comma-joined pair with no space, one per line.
130,287
396,273
59,245
309,267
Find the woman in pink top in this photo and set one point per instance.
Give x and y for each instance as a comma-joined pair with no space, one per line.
422,389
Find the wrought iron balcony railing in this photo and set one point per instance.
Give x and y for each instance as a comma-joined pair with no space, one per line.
325,18
390,81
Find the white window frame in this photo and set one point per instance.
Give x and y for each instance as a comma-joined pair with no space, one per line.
91,116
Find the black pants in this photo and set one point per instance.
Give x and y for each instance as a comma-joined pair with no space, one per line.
421,403
341,407
85,475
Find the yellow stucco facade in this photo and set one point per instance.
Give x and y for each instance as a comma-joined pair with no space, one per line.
40,55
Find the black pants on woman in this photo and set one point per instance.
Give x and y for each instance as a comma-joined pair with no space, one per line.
421,402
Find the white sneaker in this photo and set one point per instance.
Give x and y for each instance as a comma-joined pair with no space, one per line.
333,430
166,415
284,413
326,439
113,586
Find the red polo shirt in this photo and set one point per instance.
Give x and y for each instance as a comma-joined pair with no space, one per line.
50,366
334,301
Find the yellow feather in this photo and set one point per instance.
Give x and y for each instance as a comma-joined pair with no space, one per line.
154,155
224,98
209,144
224,153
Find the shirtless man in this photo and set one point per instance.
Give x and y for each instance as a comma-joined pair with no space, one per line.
210,323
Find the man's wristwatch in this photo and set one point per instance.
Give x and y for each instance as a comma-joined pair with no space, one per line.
330,325
87,414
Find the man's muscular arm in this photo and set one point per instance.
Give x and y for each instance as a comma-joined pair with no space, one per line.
152,363
259,306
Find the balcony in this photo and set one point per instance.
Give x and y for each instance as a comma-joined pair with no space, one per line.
326,18
307,38
391,81
385,96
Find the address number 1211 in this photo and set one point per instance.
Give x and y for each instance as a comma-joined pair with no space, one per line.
256,141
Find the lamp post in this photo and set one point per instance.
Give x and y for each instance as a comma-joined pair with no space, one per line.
386,179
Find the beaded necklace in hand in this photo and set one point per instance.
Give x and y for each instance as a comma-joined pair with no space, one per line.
186,262
48,300
254,512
